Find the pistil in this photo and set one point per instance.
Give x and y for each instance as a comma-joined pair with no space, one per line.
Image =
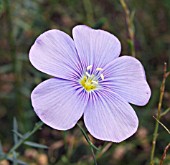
90,81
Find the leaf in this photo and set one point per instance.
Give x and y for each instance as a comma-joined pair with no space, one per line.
165,112
15,129
162,124
18,134
14,159
132,15
5,68
19,162
1,150
36,145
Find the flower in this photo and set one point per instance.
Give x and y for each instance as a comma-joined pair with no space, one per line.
90,80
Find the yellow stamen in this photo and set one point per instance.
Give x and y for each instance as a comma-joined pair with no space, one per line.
88,83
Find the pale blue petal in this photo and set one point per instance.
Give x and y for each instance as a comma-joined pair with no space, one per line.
95,47
126,77
109,117
54,53
59,103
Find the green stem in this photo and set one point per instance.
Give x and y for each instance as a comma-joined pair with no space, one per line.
89,11
89,142
130,26
155,135
12,48
93,154
162,124
10,31
86,137
165,112
25,137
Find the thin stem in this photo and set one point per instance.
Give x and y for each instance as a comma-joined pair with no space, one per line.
165,112
104,149
89,11
10,31
91,145
28,135
130,26
93,154
22,140
86,137
155,135
12,48
164,154
162,124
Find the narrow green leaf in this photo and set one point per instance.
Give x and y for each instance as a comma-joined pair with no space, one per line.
1,151
162,124
18,134
25,137
132,15
15,128
36,145
87,138
165,112
5,68
14,159
19,162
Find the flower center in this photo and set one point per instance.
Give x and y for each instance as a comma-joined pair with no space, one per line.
90,81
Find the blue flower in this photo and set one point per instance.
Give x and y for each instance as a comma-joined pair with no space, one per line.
90,80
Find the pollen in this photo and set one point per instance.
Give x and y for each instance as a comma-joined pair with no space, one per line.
89,67
99,69
102,76
88,75
88,83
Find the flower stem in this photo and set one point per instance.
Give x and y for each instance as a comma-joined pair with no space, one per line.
155,135
28,135
89,11
23,139
16,66
93,154
131,30
162,124
91,145
165,112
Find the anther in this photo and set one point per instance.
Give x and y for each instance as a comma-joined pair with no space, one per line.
102,76
89,67
87,74
99,69
95,82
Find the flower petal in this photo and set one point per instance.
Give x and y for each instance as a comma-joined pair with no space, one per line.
95,47
59,103
54,53
109,117
126,77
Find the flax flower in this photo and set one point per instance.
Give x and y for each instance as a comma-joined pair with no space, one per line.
90,80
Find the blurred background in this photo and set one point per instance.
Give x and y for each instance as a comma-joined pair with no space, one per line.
22,21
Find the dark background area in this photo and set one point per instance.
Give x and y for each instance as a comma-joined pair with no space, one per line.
22,21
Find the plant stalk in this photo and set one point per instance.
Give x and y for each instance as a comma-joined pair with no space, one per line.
91,145
130,26
12,50
155,135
